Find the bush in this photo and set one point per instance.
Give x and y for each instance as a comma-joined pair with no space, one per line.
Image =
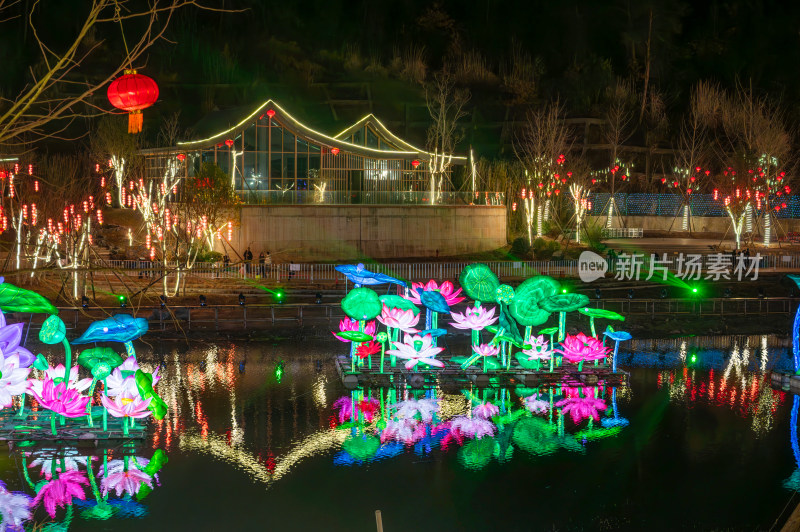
209,256
544,249
520,248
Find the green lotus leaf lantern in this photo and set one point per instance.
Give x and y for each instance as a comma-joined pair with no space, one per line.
144,383
362,304
563,303
595,313
354,336
100,361
525,307
41,363
479,282
398,302
15,299
53,330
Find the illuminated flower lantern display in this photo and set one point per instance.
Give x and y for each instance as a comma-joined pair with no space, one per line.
65,402
501,319
133,92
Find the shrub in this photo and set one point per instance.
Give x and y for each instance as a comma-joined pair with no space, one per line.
544,249
520,248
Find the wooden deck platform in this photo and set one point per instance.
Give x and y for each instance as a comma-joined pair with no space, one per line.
452,376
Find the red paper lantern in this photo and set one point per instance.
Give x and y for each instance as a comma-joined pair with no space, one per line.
229,143
335,151
271,113
415,163
181,157
133,92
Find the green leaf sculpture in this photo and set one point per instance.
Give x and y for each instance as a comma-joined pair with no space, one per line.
41,363
144,382
100,361
362,304
479,282
525,305
398,302
354,336
15,299
564,302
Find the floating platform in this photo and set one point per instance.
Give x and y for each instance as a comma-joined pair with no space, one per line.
452,376
35,426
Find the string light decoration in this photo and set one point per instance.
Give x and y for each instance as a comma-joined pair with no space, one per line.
183,218
613,178
50,226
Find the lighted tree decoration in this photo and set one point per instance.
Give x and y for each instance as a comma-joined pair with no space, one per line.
751,139
116,153
53,214
617,130
541,145
182,218
446,105
689,174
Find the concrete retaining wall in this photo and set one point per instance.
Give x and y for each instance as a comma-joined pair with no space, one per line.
349,232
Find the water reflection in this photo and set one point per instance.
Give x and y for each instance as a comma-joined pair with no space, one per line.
62,483
227,405
480,426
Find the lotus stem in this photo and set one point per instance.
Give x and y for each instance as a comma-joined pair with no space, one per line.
383,351
528,329
53,423
434,325
614,358
68,353
105,410
591,325
92,480
474,337
125,427
130,350
21,406
562,322
580,365
470,361
428,318
552,353
25,471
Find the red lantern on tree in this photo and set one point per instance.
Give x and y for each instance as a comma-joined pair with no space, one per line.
133,92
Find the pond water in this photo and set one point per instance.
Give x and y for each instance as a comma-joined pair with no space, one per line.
698,440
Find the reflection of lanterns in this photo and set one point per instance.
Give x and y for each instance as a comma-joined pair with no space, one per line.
181,157
229,143
415,163
133,92
271,113
335,151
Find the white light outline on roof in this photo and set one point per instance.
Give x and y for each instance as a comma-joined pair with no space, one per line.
334,141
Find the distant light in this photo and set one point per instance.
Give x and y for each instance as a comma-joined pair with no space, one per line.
563,290
694,358
694,290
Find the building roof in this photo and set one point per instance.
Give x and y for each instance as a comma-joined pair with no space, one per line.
404,151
